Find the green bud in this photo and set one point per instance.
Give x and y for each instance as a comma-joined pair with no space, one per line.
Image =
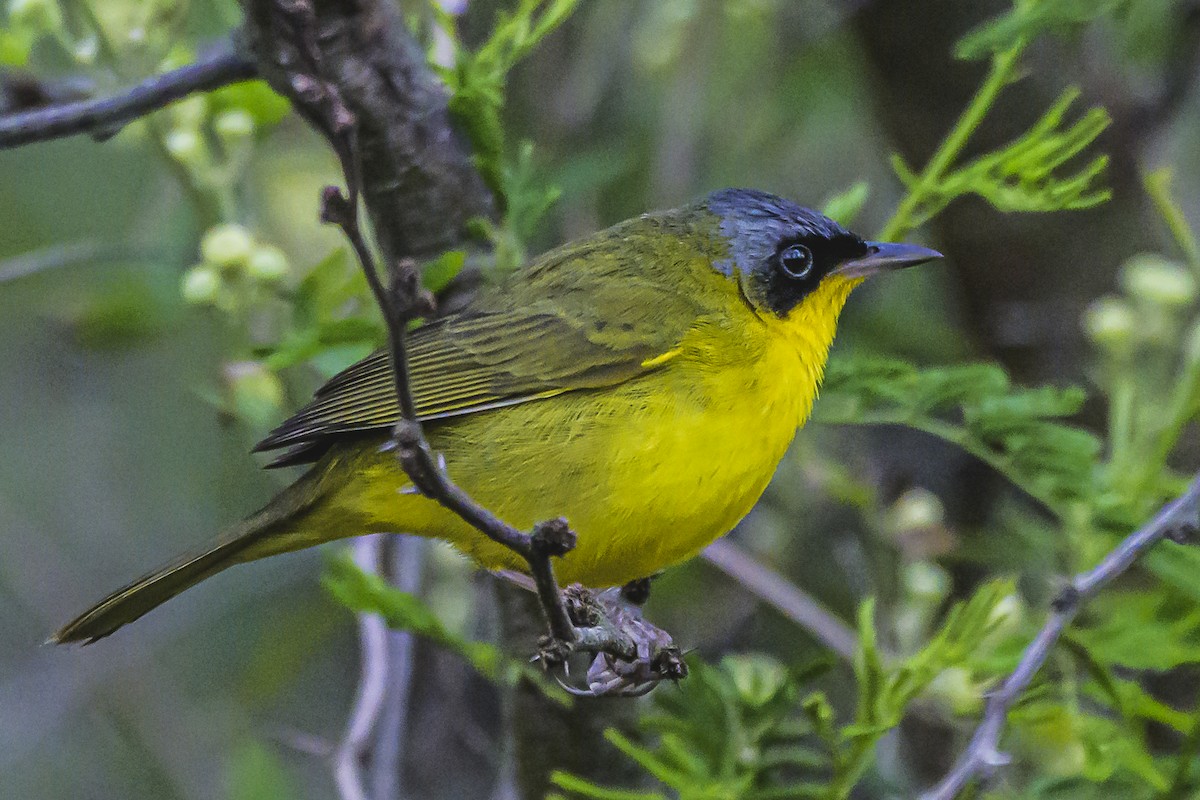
233,126
954,687
1110,323
34,16
1006,615
200,285
757,678
255,392
185,146
227,245
1155,280
267,264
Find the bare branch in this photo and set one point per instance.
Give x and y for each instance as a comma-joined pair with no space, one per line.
103,117
784,596
355,746
1178,520
421,188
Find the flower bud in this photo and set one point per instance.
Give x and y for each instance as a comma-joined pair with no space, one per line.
926,581
954,687
917,508
185,146
233,126
255,392
1110,323
757,678
267,264
1006,614
1155,280
200,285
227,245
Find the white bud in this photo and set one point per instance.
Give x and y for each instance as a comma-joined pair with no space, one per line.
185,146
1110,323
227,245
926,581
234,125
1154,279
200,285
267,264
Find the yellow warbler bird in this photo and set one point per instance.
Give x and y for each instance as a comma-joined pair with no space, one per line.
643,383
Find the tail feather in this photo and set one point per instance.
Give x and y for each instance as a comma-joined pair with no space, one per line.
265,533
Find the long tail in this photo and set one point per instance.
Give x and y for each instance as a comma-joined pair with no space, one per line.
274,529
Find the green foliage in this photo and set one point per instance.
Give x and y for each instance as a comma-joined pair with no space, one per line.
477,79
1020,176
369,593
746,728
1016,430
1030,18
846,207
256,773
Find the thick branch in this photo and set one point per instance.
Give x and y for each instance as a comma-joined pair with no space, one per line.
102,117
1178,520
422,188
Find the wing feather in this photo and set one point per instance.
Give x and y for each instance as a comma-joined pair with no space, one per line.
473,363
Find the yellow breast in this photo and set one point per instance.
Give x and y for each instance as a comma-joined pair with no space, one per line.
648,472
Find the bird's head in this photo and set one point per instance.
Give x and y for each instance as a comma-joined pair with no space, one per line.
794,264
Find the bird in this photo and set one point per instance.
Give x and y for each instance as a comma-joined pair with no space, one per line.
643,382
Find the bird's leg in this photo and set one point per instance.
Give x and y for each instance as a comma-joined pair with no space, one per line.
638,591
631,655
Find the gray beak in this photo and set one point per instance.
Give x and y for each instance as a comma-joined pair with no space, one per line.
885,256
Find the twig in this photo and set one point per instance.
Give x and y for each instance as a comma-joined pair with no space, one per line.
355,746
1178,520
404,562
784,596
102,117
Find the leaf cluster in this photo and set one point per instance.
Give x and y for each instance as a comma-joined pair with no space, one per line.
1019,431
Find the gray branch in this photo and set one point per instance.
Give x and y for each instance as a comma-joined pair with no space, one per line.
1177,520
102,117
420,185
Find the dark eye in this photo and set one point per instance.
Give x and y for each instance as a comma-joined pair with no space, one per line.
797,261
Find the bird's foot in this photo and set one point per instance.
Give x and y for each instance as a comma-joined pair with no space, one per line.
630,655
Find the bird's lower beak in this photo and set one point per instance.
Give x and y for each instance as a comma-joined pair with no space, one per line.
885,256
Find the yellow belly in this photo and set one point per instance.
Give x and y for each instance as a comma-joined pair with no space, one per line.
647,473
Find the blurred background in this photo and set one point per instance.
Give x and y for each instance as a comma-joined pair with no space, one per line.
125,423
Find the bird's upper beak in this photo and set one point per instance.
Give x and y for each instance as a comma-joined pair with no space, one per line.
885,256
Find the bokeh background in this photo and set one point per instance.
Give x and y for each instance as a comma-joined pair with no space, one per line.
115,453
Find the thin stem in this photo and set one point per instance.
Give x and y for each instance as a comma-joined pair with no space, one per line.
102,117
373,682
1178,519
906,216
1158,186
784,596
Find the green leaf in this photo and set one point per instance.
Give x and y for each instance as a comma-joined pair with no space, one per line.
368,593
846,206
1029,19
256,773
